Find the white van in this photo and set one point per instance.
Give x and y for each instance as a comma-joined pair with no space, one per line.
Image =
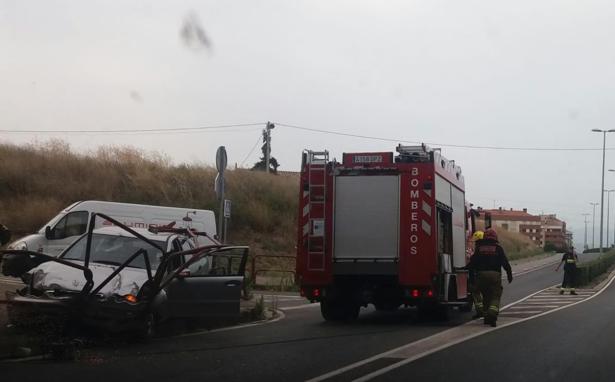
72,222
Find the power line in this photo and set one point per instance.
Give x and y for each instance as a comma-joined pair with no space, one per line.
251,150
176,129
333,132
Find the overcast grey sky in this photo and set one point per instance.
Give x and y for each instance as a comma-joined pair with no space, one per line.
524,74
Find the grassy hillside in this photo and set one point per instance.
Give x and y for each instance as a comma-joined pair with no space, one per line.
36,182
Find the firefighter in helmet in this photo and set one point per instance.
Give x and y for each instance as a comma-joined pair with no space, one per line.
570,269
477,298
488,260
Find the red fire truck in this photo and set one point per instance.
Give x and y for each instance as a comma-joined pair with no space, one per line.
383,229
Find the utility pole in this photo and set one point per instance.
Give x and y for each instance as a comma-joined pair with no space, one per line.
268,144
604,133
594,225
585,238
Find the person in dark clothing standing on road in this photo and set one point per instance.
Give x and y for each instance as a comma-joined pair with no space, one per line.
488,260
570,269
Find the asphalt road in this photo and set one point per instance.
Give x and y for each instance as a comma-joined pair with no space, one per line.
298,347
573,344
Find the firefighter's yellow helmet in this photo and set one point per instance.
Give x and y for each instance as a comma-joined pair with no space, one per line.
478,235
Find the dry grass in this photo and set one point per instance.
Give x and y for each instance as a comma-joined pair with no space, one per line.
37,181
516,245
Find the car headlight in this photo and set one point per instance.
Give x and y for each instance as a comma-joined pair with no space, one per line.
20,246
36,279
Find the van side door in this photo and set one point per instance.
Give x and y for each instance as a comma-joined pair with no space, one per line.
65,232
210,287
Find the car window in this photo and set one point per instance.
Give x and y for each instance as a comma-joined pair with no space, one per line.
115,250
72,224
226,262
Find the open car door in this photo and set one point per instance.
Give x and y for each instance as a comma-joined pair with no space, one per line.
210,287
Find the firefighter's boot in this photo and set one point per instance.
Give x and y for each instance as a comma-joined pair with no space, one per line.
479,309
490,285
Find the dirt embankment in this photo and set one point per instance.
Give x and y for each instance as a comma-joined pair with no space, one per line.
37,181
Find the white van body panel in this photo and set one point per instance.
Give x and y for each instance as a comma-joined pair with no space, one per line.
132,215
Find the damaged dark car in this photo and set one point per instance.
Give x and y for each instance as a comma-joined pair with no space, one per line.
123,279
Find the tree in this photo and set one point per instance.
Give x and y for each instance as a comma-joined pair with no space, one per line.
261,164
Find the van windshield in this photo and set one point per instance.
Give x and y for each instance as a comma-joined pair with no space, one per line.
115,250
52,222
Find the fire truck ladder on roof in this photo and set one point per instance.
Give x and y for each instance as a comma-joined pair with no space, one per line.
315,208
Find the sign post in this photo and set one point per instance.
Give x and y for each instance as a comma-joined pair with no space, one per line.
227,215
221,161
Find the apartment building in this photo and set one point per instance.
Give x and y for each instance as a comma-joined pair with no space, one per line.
518,221
541,229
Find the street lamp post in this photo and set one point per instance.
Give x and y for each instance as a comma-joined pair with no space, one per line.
585,237
604,132
607,230
608,209
594,224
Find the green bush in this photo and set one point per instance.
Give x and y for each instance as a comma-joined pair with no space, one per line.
587,272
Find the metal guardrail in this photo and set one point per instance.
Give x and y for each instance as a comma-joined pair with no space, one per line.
254,271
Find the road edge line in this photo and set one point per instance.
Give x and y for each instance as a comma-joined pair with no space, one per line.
385,370
380,355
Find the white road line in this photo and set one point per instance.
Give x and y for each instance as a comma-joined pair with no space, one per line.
527,297
280,316
521,307
552,300
522,312
559,298
447,344
300,307
560,303
515,322
421,341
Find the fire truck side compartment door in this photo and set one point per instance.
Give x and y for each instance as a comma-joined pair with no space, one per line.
366,217
459,233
